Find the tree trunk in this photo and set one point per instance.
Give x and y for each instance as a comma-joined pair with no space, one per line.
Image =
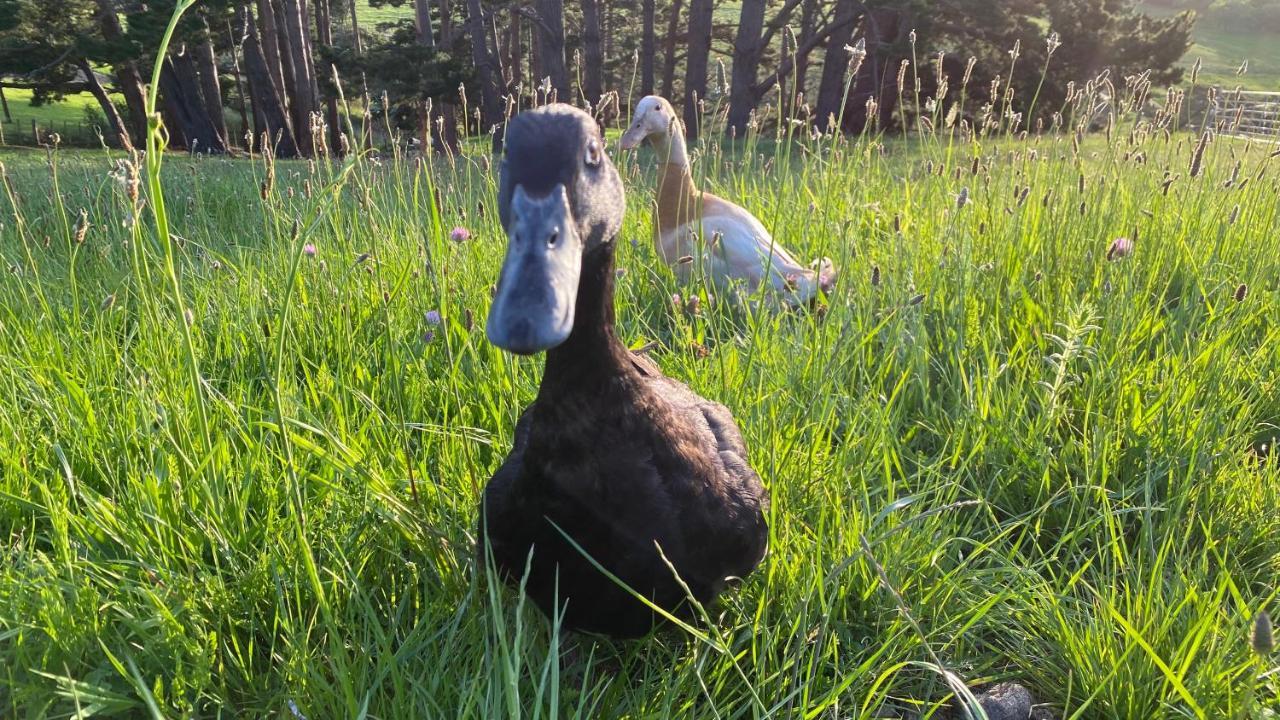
324,32
482,56
515,54
287,89
669,51
181,85
422,23
695,69
647,42
592,80
303,100
877,76
746,57
608,23
835,68
118,128
808,17
266,98
210,86
309,52
270,42
128,79
239,80
444,8
171,116
551,46
5,101
355,29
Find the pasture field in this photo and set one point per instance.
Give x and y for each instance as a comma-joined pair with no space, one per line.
239,468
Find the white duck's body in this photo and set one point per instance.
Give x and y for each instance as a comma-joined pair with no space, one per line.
732,247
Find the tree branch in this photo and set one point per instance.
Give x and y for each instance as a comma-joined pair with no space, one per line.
778,21
789,62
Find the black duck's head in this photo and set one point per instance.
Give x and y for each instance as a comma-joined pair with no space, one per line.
559,199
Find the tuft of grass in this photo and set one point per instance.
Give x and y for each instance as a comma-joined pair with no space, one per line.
240,461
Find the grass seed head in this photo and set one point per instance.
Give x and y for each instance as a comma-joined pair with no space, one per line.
1242,292
82,227
1262,639
1197,157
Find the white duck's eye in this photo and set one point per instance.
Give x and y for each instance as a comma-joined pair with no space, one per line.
593,153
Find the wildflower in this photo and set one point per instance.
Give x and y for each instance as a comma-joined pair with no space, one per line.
693,306
1263,639
459,234
433,317
309,249
1242,292
875,276
428,336
1120,248
963,198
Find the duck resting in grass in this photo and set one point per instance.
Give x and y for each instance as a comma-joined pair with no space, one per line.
613,460
737,246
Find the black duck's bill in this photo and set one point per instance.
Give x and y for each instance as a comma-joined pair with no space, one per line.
538,286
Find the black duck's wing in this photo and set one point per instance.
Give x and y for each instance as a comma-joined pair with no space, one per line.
503,527
739,524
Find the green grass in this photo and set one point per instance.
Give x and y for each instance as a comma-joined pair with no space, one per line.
371,17
237,477
66,117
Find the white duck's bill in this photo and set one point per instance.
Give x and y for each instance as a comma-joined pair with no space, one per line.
538,287
634,135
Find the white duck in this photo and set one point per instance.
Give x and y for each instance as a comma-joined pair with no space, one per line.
737,246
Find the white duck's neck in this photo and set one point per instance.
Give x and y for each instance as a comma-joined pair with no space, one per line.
670,147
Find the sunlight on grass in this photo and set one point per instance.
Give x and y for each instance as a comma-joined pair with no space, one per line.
1058,454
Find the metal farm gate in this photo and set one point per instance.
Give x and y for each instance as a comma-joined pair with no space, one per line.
1245,113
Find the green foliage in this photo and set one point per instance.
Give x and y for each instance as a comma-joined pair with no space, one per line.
1005,450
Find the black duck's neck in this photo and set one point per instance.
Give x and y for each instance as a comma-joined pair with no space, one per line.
593,349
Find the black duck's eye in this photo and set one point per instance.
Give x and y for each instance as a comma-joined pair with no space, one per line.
593,154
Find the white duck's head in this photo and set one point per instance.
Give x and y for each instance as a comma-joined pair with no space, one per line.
654,118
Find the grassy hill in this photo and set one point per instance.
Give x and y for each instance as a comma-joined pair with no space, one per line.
1223,51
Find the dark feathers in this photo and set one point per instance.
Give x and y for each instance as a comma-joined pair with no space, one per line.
613,454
